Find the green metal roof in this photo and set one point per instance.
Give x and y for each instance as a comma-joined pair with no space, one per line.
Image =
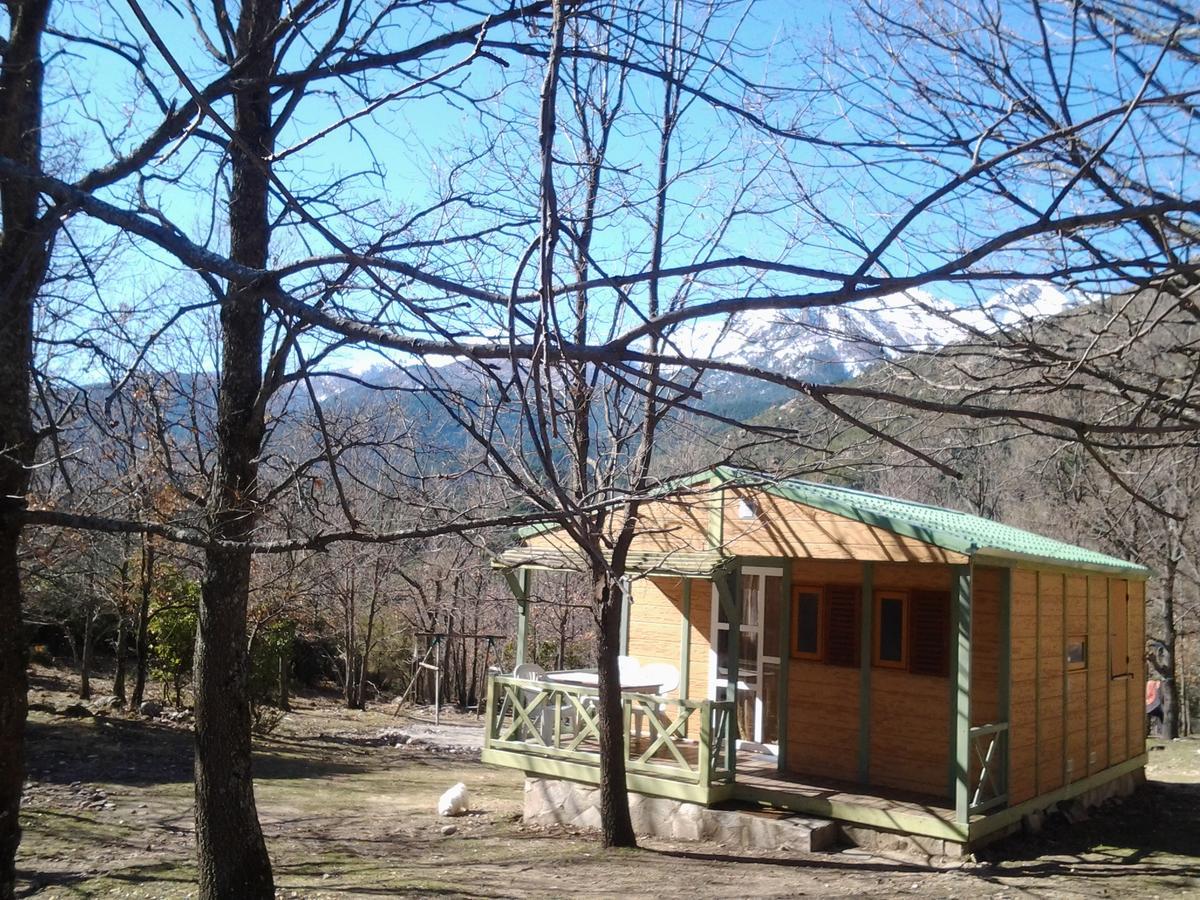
949,529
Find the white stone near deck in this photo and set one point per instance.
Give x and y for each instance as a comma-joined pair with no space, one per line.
455,802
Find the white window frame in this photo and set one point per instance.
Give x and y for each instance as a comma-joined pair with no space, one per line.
715,624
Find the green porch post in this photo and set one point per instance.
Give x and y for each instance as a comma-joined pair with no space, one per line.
865,633
785,657
960,692
685,640
626,598
518,583
727,594
1004,670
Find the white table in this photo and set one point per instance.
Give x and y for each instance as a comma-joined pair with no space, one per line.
588,678
591,679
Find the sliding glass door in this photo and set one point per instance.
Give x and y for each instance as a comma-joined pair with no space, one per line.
759,596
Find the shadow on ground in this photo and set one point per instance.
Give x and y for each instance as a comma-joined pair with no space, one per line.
141,752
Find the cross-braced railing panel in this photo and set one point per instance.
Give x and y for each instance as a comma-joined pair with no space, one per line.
665,737
989,749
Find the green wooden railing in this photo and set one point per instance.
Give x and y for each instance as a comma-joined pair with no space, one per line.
989,788
674,748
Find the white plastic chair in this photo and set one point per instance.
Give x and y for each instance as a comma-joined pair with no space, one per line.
665,675
628,669
534,672
529,672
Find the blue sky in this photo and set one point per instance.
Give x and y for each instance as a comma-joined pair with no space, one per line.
411,148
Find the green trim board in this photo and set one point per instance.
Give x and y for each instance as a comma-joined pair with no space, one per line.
871,816
1004,667
960,686
989,824
785,659
518,582
706,795
626,601
696,563
685,640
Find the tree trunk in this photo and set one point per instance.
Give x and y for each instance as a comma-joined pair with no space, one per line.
143,626
85,658
361,691
1165,658
284,665
119,650
616,826
231,855
24,253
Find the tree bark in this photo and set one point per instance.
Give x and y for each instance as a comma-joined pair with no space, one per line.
143,626
85,658
616,825
119,648
231,854
1165,659
284,665
24,255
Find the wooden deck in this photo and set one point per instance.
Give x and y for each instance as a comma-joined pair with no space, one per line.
757,775
759,781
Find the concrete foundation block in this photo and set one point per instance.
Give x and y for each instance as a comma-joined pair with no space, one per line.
559,802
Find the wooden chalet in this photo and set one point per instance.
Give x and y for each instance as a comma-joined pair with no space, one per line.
901,667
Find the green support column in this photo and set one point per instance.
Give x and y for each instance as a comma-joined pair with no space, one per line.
727,594
518,583
865,632
785,657
1004,667
960,679
626,591
685,640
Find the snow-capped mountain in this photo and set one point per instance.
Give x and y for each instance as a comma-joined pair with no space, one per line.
838,342
823,344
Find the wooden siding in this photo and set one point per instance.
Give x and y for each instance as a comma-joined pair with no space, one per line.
1065,723
786,528
1022,779
823,720
699,638
656,627
823,710
782,529
985,647
656,621
1069,722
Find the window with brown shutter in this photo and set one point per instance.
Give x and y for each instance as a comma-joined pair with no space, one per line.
841,625
807,617
929,633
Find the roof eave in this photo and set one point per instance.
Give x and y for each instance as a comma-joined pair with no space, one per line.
984,556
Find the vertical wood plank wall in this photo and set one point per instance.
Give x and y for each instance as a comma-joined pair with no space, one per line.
655,619
1066,723
656,622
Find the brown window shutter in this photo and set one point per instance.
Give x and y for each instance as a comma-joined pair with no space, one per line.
841,625
929,633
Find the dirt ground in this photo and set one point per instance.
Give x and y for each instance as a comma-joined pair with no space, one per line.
347,813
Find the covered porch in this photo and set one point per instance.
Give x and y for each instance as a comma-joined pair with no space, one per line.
704,742
686,750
